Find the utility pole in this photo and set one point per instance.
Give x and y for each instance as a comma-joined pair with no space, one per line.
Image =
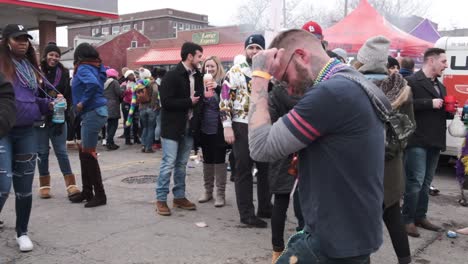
284,13
345,8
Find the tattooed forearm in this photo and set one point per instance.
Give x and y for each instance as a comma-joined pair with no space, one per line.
258,110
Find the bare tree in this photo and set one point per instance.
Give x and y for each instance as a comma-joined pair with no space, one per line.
393,8
254,13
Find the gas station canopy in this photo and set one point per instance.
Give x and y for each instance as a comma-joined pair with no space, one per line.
63,12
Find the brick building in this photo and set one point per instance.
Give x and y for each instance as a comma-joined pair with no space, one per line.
224,42
112,49
155,24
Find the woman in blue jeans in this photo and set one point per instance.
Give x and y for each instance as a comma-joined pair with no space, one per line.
58,76
18,146
89,102
148,113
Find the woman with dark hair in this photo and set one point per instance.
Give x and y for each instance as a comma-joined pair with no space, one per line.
89,102
18,147
58,76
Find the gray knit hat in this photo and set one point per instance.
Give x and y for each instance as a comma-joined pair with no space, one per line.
374,51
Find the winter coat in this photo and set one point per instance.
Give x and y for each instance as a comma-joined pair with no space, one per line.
431,124
176,103
7,106
62,86
30,107
394,174
197,131
280,103
113,93
88,87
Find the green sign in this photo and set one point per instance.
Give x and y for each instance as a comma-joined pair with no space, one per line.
206,38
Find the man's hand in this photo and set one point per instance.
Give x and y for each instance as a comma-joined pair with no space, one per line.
79,107
437,103
267,60
229,135
195,99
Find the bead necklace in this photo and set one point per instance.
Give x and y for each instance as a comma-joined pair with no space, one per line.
332,67
25,74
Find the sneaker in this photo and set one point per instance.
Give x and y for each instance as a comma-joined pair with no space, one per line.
255,222
104,142
25,244
1,224
184,203
162,208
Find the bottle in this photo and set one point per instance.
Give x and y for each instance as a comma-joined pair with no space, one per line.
60,104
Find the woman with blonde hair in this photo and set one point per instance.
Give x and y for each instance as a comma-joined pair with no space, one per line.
210,134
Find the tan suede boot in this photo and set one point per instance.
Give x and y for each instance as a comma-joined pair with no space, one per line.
275,256
44,187
208,177
70,183
221,176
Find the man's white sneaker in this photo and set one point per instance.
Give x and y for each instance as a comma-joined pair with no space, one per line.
25,244
104,142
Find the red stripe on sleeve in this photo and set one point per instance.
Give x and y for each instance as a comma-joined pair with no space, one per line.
305,123
300,128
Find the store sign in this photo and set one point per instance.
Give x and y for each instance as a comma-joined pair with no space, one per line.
206,38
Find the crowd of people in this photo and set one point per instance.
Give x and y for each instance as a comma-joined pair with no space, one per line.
314,127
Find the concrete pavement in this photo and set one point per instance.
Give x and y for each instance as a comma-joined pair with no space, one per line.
128,230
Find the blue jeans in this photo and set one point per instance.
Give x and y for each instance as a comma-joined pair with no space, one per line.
175,157
157,131
420,167
306,249
148,123
17,164
59,142
91,124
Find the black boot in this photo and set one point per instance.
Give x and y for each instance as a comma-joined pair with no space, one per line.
96,179
87,192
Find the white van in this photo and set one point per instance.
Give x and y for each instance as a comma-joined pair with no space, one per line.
455,79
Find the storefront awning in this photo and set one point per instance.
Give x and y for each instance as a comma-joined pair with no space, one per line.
225,52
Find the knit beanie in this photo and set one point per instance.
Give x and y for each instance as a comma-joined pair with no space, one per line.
128,73
255,39
52,46
112,73
342,53
392,62
374,51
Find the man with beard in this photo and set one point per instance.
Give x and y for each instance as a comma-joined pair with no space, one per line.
234,109
179,92
339,137
425,145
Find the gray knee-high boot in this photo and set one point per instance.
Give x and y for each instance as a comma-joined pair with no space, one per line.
208,177
221,176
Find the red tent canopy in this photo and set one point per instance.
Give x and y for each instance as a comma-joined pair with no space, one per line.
365,22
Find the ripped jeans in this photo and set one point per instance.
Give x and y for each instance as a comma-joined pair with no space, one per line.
17,164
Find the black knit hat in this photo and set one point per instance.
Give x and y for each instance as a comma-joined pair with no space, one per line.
255,39
392,62
52,46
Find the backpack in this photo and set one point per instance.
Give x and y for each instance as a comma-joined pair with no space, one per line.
143,96
398,126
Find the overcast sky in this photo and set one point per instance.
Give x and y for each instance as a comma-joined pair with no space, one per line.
447,13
